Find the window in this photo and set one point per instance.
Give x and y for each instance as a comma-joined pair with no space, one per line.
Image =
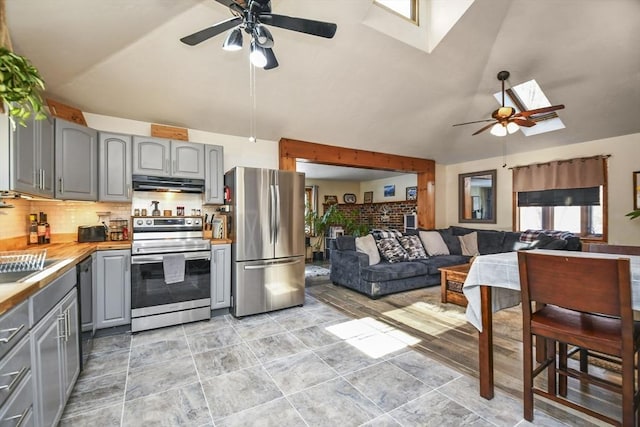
405,8
565,195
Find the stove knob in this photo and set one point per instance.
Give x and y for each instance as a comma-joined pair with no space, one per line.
149,222
139,222
188,222
196,221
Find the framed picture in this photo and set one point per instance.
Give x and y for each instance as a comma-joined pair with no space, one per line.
368,197
636,190
412,193
331,200
389,190
349,198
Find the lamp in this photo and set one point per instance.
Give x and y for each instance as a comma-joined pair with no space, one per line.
512,127
257,55
263,36
233,42
498,130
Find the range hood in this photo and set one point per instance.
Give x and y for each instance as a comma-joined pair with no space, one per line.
160,183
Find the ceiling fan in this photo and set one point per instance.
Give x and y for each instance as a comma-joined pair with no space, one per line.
506,120
252,16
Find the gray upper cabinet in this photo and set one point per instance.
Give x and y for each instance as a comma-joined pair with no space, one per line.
76,161
114,167
164,157
214,184
32,149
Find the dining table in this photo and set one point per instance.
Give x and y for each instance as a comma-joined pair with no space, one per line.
493,284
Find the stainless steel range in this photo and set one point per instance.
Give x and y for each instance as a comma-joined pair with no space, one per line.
170,272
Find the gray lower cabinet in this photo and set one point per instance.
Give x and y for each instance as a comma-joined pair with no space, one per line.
114,167
113,290
55,357
32,152
214,174
76,161
220,276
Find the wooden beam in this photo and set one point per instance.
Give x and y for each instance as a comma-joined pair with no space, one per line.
292,150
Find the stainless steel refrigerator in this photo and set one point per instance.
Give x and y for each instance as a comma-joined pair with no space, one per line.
267,232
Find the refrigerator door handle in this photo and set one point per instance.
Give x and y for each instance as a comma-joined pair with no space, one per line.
274,264
276,231
272,215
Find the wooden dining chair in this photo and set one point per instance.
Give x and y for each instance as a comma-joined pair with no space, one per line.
582,302
611,249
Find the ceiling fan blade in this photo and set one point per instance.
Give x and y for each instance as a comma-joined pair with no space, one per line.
234,6
483,129
539,110
477,121
307,26
209,32
272,62
523,122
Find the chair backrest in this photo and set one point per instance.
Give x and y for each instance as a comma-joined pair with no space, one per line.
611,249
595,285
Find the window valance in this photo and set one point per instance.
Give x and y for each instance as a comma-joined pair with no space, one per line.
562,174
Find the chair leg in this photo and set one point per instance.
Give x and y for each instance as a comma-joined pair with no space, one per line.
562,366
551,369
628,389
584,360
527,380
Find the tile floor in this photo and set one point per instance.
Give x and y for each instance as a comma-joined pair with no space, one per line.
305,366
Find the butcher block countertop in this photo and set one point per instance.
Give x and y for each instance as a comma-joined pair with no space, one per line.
67,255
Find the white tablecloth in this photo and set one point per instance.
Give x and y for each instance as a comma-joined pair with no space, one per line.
500,271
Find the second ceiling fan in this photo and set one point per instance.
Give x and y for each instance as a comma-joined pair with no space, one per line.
252,16
506,119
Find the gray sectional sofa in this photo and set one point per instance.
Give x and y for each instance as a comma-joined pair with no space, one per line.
350,268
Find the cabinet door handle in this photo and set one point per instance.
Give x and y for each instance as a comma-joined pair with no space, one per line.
61,184
61,329
36,184
14,332
18,375
21,418
128,191
42,179
67,322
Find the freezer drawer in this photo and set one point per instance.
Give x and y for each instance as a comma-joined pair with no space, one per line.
262,286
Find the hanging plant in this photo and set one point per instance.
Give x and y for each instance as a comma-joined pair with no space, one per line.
20,86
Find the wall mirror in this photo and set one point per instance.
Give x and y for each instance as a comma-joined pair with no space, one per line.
477,197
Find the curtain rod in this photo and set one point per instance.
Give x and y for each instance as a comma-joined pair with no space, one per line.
599,156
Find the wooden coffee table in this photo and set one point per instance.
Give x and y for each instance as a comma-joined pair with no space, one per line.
451,281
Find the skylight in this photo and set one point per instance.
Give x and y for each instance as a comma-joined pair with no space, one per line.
405,8
529,96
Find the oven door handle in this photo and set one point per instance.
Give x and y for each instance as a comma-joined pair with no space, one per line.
154,259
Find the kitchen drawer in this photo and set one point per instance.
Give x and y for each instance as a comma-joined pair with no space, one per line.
13,326
18,410
50,295
14,367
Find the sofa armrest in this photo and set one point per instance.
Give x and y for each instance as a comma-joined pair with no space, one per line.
345,267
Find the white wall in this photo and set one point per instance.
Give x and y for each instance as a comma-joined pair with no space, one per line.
624,160
238,151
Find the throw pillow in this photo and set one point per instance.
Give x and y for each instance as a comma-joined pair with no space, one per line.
413,246
555,244
451,241
367,245
391,250
433,243
469,244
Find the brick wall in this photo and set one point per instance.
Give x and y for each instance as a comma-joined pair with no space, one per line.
379,215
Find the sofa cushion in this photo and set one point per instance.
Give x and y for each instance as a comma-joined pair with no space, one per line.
382,234
385,271
451,241
460,231
434,263
490,242
554,244
391,250
367,245
413,246
346,243
511,241
433,243
469,244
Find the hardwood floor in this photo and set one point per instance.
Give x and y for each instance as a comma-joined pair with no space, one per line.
446,336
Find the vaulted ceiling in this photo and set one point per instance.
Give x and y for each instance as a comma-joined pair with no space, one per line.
361,89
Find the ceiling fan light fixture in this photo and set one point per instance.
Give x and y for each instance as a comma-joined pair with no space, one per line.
512,127
233,42
498,130
263,36
257,56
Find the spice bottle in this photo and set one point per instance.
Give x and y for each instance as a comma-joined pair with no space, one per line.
41,229
33,229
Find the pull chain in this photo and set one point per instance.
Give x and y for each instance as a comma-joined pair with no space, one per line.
252,96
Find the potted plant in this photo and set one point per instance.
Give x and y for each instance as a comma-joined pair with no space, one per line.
20,86
633,214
